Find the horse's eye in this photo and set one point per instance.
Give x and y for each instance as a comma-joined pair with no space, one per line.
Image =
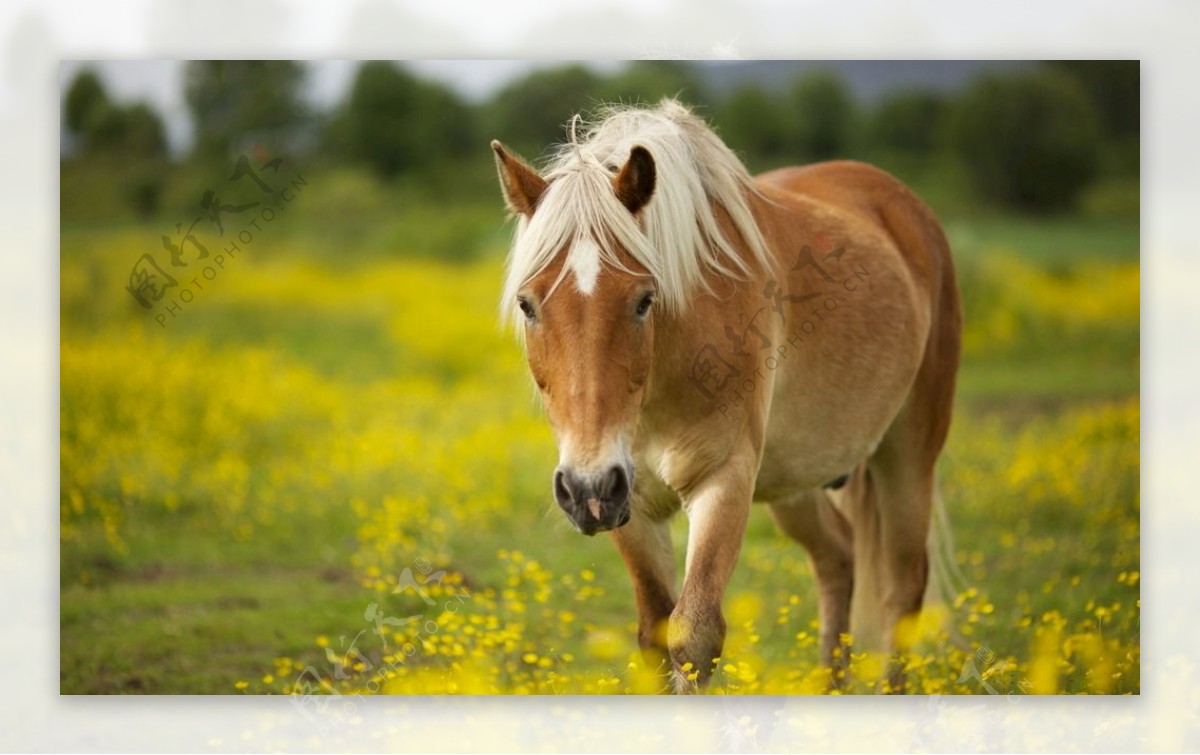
527,309
645,304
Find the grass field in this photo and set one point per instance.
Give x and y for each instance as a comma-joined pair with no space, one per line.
329,472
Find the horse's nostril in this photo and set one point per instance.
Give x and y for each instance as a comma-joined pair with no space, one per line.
614,486
622,490
561,491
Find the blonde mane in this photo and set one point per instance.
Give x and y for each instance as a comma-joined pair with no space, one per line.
676,236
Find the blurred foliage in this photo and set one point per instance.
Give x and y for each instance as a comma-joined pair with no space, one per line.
102,128
236,103
530,114
1114,88
133,131
756,124
1030,140
824,116
128,142
397,123
1057,136
911,121
814,120
1118,196
83,101
645,82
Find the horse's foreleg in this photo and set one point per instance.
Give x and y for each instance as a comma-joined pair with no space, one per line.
645,545
811,520
717,512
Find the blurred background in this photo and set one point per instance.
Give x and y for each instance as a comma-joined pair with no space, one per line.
249,460
971,135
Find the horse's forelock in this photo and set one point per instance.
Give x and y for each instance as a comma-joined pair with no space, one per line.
676,236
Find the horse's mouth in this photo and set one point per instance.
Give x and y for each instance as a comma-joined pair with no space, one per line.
594,502
594,521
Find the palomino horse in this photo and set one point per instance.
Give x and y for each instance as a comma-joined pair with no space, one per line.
702,339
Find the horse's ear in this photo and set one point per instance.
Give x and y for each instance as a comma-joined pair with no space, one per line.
635,183
521,184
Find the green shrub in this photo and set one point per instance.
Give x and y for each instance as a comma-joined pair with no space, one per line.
912,121
1029,139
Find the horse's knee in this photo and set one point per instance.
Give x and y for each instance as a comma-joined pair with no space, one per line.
694,639
834,570
902,601
909,577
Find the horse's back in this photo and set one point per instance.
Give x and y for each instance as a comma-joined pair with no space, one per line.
878,198
848,183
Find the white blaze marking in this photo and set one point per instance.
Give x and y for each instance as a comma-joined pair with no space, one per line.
584,262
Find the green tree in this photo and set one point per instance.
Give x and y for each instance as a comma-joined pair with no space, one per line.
529,114
757,125
397,122
823,116
125,143
84,100
132,132
645,82
912,121
102,126
236,102
1029,139
1115,89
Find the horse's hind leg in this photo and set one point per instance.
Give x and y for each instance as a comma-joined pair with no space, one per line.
904,496
812,520
893,498
890,510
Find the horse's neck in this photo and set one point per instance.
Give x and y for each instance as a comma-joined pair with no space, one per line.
709,328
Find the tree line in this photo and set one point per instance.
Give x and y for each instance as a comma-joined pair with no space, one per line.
1031,138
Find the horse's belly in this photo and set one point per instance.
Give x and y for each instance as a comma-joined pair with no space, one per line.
837,390
801,461
817,433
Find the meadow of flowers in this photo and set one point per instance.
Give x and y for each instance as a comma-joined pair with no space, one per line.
331,476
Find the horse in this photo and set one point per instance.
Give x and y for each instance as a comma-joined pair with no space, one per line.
702,339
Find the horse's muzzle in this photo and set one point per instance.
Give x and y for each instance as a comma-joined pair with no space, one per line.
594,503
